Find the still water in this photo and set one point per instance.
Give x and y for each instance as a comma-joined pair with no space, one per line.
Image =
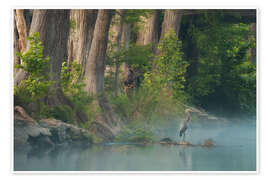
235,151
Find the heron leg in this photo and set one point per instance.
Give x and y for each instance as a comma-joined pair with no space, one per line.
184,136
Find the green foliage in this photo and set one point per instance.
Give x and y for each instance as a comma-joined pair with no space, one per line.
224,72
135,135
71,77
72,24
33,61
64,113
32,89
73,84
139,57
169,68
162,87
34,65
139,106
113,56
144,106
61,112
134,15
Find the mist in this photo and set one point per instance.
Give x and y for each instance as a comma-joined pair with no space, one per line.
235,150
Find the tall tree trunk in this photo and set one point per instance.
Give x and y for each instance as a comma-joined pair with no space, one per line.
28,19
21,43
15,43
22,29
125,69
107,125
95,64
53,27
117,29
172,20
22,22
149,32
125,39
81,35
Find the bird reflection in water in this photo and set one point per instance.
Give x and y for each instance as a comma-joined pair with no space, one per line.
185,156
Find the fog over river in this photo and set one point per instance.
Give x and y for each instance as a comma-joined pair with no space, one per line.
235,151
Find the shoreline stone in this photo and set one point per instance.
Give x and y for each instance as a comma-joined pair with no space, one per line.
47,133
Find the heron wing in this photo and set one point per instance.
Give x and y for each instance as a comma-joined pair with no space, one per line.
182,129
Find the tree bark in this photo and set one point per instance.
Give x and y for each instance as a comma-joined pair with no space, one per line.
21,44
15,43
172,20
22,29
28,19
125,39
81,35
149,32
94,74
125,69
117,29
53,27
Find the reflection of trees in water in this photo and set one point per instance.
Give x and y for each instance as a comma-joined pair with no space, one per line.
185,155
38,153
57,158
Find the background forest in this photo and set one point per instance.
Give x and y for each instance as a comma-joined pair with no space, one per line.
126,71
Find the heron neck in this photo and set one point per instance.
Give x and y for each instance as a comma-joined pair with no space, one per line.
188,117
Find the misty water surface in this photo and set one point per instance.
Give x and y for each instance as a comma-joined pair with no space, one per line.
235,151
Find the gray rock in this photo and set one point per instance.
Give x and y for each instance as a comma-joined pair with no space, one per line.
66,133
28,133
47,133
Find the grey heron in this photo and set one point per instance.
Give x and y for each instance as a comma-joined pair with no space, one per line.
184,126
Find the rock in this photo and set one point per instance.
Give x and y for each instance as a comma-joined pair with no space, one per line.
167,141
66,133
47,133
27,131
185,143
208,143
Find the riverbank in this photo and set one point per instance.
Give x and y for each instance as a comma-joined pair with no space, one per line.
46,133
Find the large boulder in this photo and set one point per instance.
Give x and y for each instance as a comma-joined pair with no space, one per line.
47,133
66,133
28,132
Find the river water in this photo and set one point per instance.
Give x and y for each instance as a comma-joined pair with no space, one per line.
235,151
